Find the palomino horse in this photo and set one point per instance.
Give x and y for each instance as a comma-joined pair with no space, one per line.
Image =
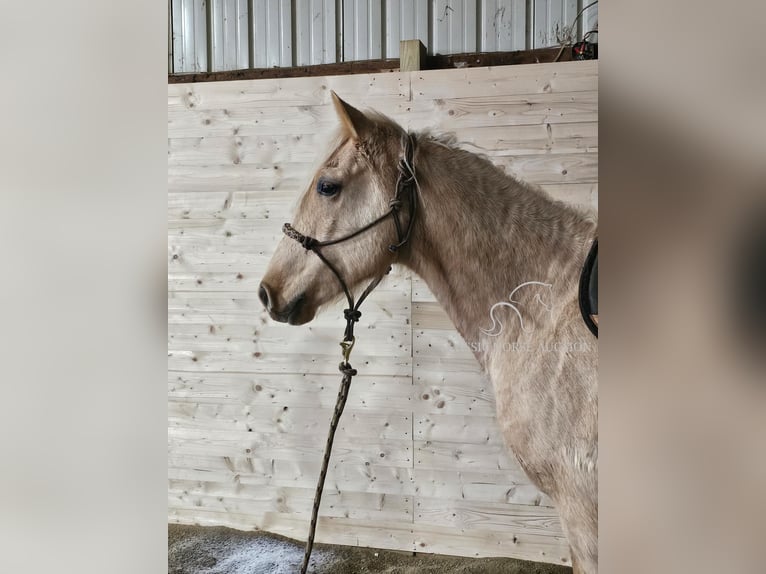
478,236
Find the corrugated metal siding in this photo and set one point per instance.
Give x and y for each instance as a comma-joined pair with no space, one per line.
454,26
504,25
189,36
268,33
315,32
405,20
230,45
589,20
362,30
170,37
550,19
272,33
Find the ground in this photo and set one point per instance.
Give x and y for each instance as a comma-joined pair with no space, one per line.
218,550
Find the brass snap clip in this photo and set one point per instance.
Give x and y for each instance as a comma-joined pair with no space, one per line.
347,346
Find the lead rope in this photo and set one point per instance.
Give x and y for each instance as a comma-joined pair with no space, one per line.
348,373
352,315
405,182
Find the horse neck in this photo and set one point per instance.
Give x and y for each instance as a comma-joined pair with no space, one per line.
480,234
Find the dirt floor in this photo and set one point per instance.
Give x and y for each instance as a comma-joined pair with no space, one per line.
218,550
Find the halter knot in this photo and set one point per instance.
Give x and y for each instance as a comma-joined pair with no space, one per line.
347,369
395,203
352,315
308,243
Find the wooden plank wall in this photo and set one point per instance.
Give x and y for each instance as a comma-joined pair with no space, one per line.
418,463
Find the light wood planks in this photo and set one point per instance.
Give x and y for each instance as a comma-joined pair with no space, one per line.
563,77
419,462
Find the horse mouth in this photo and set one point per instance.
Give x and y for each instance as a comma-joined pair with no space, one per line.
293,313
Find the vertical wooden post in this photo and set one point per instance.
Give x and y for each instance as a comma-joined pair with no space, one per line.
412,55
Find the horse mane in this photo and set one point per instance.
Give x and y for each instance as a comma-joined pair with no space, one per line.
449,141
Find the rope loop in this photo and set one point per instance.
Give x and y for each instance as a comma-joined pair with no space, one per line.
395,203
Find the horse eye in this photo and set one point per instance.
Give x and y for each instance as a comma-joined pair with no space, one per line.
327,188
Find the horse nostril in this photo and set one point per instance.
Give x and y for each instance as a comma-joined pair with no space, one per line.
263,295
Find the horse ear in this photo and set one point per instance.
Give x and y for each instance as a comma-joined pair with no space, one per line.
354,122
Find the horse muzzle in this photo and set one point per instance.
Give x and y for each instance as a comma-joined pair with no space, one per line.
292,313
